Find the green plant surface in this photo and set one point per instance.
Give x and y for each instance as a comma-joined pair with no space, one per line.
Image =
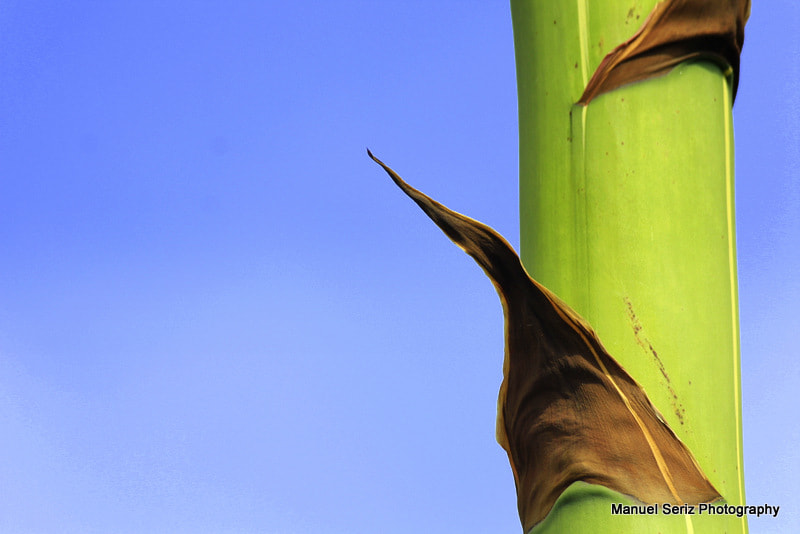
627,214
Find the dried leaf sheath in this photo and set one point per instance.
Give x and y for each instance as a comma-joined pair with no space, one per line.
567,411
674,32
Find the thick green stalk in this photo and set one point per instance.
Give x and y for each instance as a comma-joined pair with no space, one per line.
627,213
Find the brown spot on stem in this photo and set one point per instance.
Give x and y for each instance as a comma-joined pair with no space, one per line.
645,343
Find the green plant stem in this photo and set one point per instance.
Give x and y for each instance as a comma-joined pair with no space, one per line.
627,213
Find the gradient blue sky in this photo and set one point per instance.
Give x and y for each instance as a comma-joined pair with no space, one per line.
217,315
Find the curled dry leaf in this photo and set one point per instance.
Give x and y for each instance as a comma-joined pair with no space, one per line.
567,411
675,31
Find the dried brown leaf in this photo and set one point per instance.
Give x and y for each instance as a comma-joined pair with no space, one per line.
675,31
567,411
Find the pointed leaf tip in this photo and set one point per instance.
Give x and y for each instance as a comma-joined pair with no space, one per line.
567,411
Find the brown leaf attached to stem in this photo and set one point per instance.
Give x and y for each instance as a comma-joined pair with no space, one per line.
675,31
567,411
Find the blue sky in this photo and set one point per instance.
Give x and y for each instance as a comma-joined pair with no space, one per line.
218,315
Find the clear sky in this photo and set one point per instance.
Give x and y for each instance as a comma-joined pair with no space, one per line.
217,315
